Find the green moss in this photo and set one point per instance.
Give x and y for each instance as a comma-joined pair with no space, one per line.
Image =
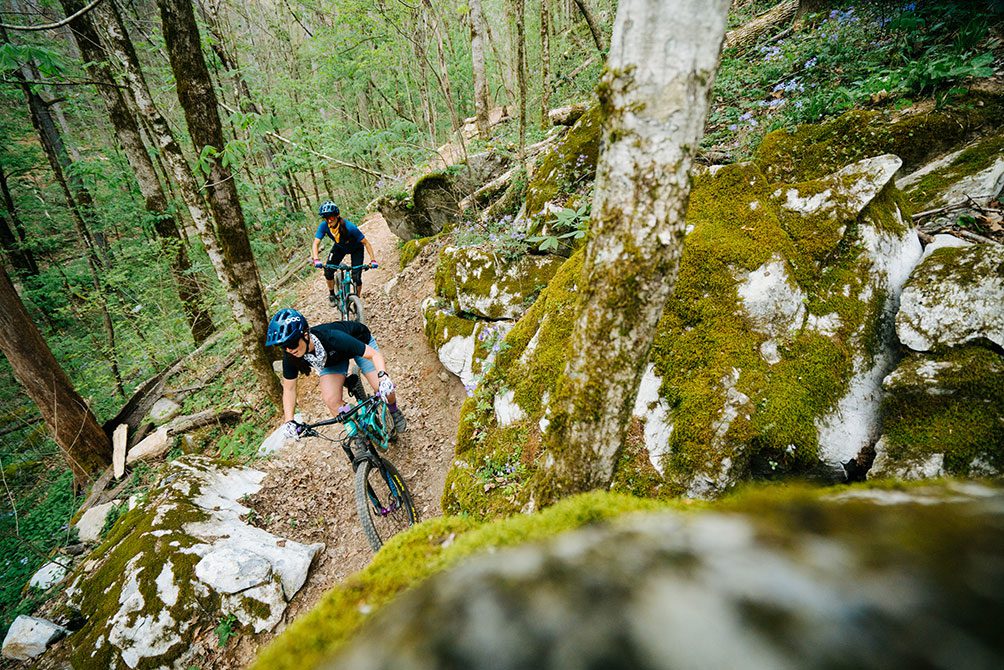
413,248
951,404
971,161
569,166
414,556
812,151
441,326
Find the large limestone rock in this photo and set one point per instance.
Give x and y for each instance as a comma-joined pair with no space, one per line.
466,347
955,296
476,281
92,522
182,561
769,357
29,637
943,415
861,579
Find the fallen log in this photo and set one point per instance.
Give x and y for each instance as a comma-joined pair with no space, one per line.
747,35
159,442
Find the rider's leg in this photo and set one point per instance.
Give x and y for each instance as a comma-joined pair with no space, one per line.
357,275
334,258
331,390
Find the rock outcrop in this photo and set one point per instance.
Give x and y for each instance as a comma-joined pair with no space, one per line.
856,579
182,560
29,637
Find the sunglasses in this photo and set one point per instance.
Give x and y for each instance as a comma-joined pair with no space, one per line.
291,344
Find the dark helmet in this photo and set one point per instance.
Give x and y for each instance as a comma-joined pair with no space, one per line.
287,325
328,208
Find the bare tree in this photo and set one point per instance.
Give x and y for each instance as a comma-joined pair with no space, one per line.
545,61
84,445
655,97
482,101
197,97
519,11
129,137
594,27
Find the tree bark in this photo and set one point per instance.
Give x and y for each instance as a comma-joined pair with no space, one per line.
85,446
545,63
197,97
655,97
594,27
13,237
519,10
127,130
482,101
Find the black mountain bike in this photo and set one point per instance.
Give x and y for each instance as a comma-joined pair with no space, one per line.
382,498
348,303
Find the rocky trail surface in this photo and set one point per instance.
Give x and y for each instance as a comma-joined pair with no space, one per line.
307,493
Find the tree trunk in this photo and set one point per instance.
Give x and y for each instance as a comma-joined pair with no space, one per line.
594,27
13,234
443,74
482,101
127,130
655,96
747,35
519,7
85,446
545,63
197,97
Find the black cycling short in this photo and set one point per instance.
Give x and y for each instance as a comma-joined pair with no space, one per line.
335,257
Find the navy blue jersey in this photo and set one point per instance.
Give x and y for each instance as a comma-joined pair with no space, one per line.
342,341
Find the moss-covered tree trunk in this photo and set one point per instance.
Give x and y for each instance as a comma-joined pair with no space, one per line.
545,62
197,97
84,445
129,137
662,63
20,257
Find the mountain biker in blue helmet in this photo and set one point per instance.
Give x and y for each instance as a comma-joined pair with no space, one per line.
348,239
327,349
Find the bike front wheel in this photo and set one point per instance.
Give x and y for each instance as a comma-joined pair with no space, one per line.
383,501
354,309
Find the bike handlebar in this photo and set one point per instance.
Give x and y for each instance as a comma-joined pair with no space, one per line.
348,268
342,416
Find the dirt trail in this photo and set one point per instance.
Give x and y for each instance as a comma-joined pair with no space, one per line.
307,493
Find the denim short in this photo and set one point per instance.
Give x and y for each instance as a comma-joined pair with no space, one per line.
342,368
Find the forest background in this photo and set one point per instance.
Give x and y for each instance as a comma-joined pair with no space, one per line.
319,99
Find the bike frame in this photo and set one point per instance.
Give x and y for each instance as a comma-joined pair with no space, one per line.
365,419
345,286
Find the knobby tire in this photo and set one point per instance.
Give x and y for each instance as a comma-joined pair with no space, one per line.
370,481
354,309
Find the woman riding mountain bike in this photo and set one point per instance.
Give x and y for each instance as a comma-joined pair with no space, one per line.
327,349
347,239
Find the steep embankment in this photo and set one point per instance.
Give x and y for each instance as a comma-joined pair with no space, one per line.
307,494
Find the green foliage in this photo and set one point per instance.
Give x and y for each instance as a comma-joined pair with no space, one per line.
226,629
40,524
503,235
871,54
242,442
569,224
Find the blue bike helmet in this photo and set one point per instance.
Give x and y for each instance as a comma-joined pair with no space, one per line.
328,208
287,325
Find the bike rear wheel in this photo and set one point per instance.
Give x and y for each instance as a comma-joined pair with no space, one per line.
354,309
382,501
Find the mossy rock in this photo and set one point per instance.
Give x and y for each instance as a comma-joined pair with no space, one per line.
559,588
781,305
811,151
567,170
943,415
476,281
410,558
412,248
973,171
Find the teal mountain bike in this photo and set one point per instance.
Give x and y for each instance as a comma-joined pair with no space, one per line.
348,303
382,498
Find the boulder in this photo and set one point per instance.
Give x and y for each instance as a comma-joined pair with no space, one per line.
973,175
92,521
478,282
182,561
859,579
164,410
466,347
769,357
943,415
954,296
29,637
48,575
